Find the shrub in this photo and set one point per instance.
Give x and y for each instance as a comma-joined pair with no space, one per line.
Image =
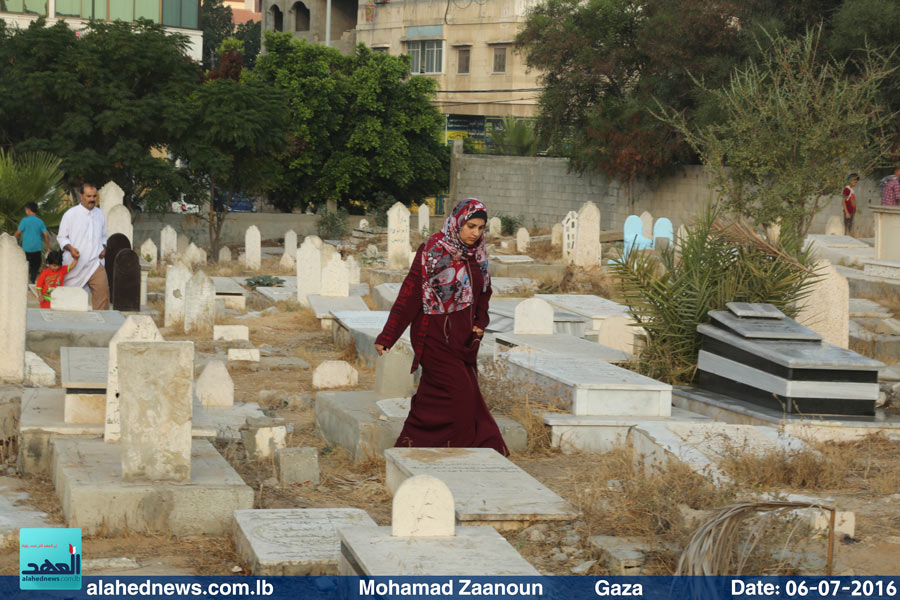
333,225
509,224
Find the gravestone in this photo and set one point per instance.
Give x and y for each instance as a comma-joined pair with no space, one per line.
215,386
773,231
663,233
177,277
423,507
363,224
199,303
181,244
354,270
680,237
587,236
287,263
423,215
335,278
297,465
495,226
533,317
148,252
522,239
290,243
110,195
114,244
135,328
556,235
168,244
228,333
392,373
826,310
398,237
252,249
634,237
125,287
334,373
83,375
224,255
372,251
145,280
194,255
156,381
570,223
309,271
314,239
835,226
647,225
13,308
618,332
69,299
118,220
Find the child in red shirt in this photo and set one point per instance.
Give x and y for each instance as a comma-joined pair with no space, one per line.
53,276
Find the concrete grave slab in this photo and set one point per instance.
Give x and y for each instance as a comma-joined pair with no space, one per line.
47,331
765,328
882,268
591,307
83,374
323,306
512,259
230,333
835,241
294,541
503,310
509,286
556,344
15,513
37,372
354,421
862,308
385,295
487,488
231,292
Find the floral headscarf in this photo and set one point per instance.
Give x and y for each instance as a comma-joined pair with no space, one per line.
447,286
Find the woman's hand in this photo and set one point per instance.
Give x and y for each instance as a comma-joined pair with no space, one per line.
381,349
478,331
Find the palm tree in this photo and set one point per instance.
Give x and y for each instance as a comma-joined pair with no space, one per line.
517,138
30,177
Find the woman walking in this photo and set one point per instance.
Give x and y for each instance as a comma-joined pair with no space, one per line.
445,300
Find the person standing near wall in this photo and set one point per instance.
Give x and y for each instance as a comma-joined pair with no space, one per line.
850,202
35,239
82,235
890,189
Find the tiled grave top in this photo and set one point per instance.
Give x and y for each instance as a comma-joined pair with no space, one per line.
323,305
563,345
51,316
585,304
92,321
362,319
757,310
795,354
84,367
294,541
766,329
585,372
226,286
395,408
485,485
836,241
506,259
506,307
862,308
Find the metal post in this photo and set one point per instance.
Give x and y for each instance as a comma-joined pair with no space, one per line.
328,23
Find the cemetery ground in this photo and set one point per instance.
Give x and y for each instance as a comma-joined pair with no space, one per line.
653,512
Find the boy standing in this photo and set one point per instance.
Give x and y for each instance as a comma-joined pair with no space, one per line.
53,276
850,202
32,228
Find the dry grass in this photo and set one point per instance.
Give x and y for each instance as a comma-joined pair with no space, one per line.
576,280
545,251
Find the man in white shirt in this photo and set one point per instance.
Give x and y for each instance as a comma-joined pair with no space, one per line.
82,235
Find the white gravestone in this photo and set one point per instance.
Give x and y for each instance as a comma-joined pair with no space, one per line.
835,226
252,249
398,237
156,381
618,332
333,374
522,239
495,226
680,237
199,303
587,236
111,195
570,223
215,386
168,243
148,252
826,310
194,255
145,278
424,215
556,235
181,244
392,373
314,239
363,224
228,333
354,270
335,278
225,255
135,328
287,263
69,299
423,507
309,271
533,317
177,277
290,243
118,220
13,308
647,225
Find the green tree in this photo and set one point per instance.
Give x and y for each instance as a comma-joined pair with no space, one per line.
106,102
795,125
250,34
32,177
516,138
360,125
217,24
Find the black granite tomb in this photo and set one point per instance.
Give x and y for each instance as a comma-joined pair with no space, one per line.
114,244
126,286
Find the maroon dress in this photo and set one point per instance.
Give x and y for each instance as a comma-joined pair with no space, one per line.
448,409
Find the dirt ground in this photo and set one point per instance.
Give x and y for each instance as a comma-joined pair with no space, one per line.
612,495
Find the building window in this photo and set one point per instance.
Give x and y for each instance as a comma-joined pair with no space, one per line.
380,49
425,56
500,59
183,13
462,61
28,7
301,17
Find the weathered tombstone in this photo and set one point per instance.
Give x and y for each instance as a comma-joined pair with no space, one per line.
835,226
314,239
215,386
177,277
168,243
290,243
827,308
335,278
13,308
680,237
110,195
148,252
135,328
569,224
225,255
392,373
156,382
371,251
199,303
334,373
363,224
618,332
556,235
424,216
327,252
495,226
646,225
398,237
194,255
125,287
533,317
354,270
663,233
229,333
773,232
145,279
252,248
118,220
587,236
522,239
69,299
309,271
181,244
287,263
423,507
263,437
114,244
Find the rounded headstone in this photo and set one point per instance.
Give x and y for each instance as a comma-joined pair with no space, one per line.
533,317
125,287
423,507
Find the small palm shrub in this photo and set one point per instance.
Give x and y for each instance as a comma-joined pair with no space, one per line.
333,225
29,177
